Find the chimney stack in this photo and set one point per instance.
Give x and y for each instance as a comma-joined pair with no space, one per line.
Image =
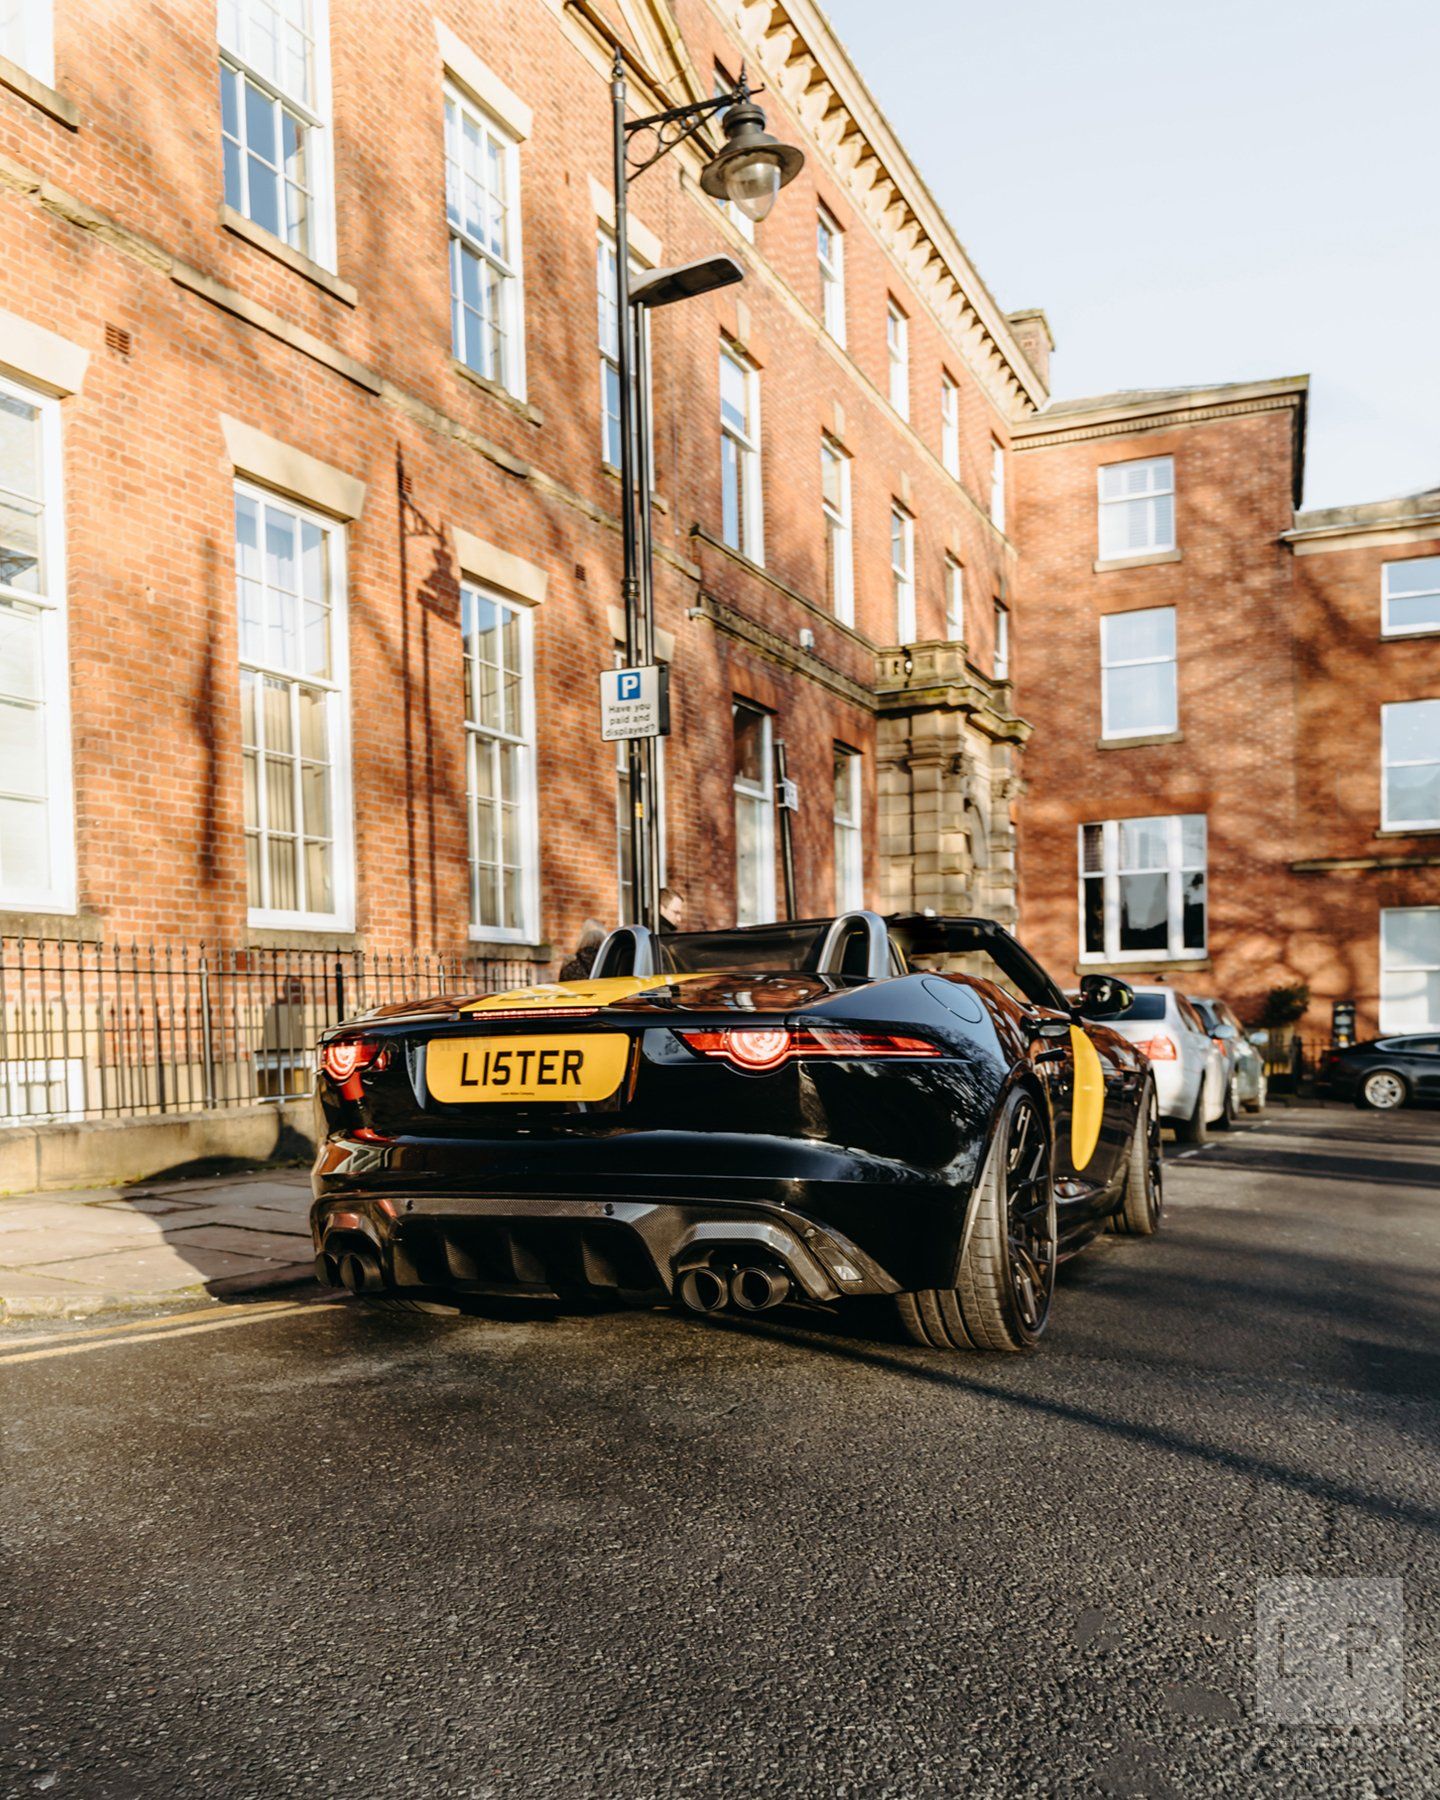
1032,334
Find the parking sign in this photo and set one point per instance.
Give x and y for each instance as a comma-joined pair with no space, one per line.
634,703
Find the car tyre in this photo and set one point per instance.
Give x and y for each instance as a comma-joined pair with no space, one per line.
1262,1090
1231,1106
1006,1276
1143,1204
1194,1130
1383,1090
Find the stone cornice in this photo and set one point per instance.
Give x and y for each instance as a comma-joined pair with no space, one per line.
1412,514
805,63
1121,415
941,678
1325,865
769,644
757,572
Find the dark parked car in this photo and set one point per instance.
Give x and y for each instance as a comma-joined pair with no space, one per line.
1384,1073
819,1109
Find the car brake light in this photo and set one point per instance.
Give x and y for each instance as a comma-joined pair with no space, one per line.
343,1058
1159,1049
760,1048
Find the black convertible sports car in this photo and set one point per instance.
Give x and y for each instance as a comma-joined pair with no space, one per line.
812,1110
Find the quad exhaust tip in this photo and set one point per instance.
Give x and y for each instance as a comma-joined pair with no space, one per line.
759,1287
703,1290
352,1266
751,1288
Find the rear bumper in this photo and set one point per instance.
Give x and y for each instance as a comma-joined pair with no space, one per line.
1175,1090
548,1246
623,1212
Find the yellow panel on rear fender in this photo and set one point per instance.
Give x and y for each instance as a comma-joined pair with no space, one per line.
1087,1114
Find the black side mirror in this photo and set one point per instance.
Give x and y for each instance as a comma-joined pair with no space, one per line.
1104,997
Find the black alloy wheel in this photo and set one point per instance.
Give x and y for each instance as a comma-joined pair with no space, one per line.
1005,1278
1030,1218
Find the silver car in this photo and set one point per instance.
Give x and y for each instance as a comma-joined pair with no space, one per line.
1246,1084
1185,1061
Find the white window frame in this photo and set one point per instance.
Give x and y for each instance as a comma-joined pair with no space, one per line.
477,734
997,484
1387,763
1387,629
1160,485
849,832
510,268
954,599
902,572
897,355
32,47
1108,661
1110,873
761,798
337,725
1388,1022
839,532
751,510
1000,658
315,114
832,273
51,607
950,424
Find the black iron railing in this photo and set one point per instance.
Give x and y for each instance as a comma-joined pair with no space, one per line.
96,1031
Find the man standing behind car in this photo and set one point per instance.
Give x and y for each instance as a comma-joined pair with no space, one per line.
672,909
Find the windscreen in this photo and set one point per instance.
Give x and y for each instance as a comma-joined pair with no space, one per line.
791,948
1144,1006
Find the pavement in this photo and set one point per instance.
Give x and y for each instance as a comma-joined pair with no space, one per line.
291,1547
103,1250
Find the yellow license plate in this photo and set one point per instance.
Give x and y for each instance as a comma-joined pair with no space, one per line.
584,1067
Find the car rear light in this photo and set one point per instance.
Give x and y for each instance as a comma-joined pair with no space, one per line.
1159,1049
343,1058
761,1048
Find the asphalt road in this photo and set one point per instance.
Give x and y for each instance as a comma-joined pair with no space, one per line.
311,1551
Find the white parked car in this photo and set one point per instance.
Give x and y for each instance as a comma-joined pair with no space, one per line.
1189,1066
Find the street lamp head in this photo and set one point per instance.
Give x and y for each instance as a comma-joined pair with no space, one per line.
753,167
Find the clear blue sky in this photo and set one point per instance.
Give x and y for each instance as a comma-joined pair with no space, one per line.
1197,191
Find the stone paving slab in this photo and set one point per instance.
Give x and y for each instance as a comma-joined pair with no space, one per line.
157,1271
244,1242
112,1249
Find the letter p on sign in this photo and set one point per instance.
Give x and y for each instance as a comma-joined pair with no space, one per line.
630,684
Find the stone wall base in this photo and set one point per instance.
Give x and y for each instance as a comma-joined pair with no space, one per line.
108,1152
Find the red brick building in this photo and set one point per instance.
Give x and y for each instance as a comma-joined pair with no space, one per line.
1210,675
313,559
309,553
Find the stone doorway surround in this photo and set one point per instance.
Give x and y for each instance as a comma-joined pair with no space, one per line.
947,753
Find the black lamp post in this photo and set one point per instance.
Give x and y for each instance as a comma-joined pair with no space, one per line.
749,171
